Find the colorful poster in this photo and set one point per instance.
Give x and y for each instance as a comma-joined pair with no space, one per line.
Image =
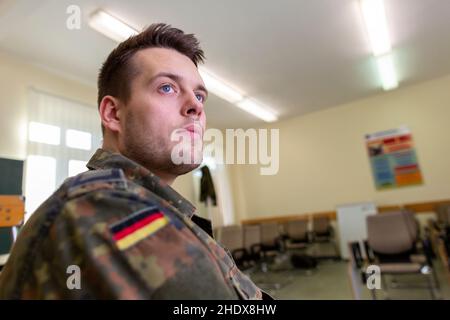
393,158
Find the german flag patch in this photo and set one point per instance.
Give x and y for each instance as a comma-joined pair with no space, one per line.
137,226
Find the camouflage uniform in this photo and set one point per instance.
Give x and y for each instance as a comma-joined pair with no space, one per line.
131,236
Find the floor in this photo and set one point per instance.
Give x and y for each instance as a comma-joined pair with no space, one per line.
331,281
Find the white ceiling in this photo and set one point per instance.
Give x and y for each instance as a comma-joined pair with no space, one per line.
297,56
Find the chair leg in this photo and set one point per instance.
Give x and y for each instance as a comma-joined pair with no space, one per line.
373,294
435,279
264,267
431,286
384,286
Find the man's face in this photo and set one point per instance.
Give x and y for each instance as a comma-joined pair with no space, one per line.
166,96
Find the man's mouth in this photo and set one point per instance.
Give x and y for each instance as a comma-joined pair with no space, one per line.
194,129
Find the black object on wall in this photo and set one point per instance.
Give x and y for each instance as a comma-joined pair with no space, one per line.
207,189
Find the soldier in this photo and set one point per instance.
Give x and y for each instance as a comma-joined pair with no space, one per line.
120,228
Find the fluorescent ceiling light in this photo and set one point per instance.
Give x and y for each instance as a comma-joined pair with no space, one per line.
387,72
219,87
258,110
227,92
376,24
110,26
375,19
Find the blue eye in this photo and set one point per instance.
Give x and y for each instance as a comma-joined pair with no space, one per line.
200,97
166,88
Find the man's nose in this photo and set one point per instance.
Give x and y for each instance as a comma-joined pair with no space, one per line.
192,106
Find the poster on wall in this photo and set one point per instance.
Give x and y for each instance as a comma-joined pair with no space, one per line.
393,159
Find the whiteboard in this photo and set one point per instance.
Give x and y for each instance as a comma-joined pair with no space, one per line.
351,219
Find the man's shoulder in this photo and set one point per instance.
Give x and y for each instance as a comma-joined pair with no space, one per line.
85,182
71,191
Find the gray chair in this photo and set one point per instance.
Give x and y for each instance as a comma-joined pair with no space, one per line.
232,238
444,252
297,235
271,245
443,214
270,237
392,240
252,243
273,256
436,228
321,229
323,237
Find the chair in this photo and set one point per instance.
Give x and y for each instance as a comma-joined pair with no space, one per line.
392,246
444,250
322,232
436,227
252,243
297,235
412,223
321,229
273,255
270,238
443,214
271,244
232,238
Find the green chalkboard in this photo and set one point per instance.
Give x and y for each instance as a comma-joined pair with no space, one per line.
11,173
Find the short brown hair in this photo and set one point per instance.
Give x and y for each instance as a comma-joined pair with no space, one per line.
117,72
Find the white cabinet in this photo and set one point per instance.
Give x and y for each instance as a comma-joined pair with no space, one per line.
351,220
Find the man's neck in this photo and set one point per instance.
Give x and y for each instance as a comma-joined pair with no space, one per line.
165,178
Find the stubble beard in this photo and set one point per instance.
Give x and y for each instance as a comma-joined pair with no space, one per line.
152,153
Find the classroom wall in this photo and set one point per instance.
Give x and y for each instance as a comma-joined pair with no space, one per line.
323,160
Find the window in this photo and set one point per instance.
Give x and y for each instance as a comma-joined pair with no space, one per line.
40,182
43,133
62,134
76,167
78,139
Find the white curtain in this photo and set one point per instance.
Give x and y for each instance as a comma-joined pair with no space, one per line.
62,136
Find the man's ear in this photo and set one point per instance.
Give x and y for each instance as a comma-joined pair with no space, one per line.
109,110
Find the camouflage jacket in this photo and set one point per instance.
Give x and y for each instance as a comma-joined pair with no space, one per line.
127,235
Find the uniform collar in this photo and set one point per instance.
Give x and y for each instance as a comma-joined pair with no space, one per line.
103,159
